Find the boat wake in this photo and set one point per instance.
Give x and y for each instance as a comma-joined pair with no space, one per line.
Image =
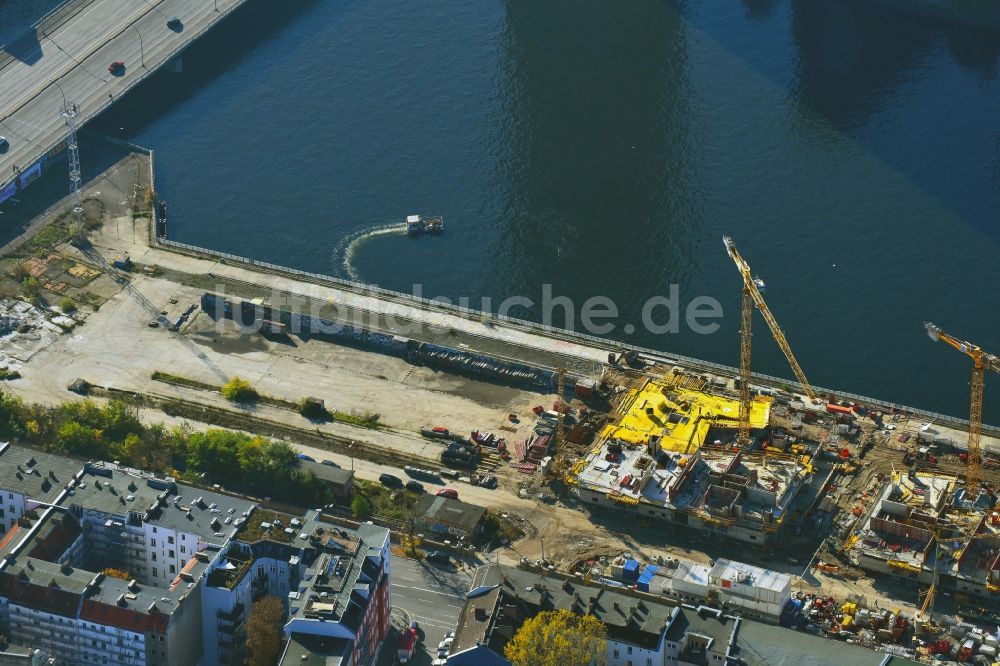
344,253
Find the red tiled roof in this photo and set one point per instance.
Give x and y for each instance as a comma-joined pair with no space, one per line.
124,618
48,599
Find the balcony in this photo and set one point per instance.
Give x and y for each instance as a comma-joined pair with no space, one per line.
230,624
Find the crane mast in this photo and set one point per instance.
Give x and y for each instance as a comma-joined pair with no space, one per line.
981,361
752,296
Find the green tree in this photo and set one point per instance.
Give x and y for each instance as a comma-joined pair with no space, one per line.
558,638
146,452
14,415
239,390
264,632
77,438
361,508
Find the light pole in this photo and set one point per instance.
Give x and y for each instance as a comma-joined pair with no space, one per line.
62,92
351,454
142,52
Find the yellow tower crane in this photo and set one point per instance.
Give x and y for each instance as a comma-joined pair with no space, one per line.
560,413
980,362
752,288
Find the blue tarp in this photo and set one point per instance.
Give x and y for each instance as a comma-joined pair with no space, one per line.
631,570
646,577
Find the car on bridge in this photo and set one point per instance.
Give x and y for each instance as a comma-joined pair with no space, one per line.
117,68
175,24
4,144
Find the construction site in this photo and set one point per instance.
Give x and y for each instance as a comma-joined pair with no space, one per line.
656,460
593,450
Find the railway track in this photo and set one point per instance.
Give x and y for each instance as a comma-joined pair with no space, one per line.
257,425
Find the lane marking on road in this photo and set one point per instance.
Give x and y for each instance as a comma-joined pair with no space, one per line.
434,622
424,589
88,50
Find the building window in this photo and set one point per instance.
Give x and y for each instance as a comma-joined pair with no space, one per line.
649,661
154,557
154,572
154,530
173,569
183,549
172,554
152,542
628,650
170,539
616,654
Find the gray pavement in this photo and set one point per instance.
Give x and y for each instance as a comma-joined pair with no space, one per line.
432,595
70,65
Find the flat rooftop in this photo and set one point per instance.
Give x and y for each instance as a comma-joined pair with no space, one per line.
517,594
36,561
750,575
267,525
310,650
337,575
450,512
115,491
37,475
761,644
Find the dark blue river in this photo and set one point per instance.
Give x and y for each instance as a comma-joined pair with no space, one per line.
851,151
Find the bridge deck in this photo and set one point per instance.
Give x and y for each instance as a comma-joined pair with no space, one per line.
72,59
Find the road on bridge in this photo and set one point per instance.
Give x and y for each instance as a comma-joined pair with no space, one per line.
69,65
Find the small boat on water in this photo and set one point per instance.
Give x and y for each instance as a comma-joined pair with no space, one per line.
417,224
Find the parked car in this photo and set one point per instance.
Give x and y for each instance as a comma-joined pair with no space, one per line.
303,456
330,463
450,493
117,67
4,144
390,481
415,486
438,556
175,24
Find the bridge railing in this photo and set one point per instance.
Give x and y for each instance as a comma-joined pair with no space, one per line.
52,20
603,344
106,102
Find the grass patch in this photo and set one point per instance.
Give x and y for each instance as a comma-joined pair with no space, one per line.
365,420
362,419
168,378
385,502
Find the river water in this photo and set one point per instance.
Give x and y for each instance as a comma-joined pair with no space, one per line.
851,151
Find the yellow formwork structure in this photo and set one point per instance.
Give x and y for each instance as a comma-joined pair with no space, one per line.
681,417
